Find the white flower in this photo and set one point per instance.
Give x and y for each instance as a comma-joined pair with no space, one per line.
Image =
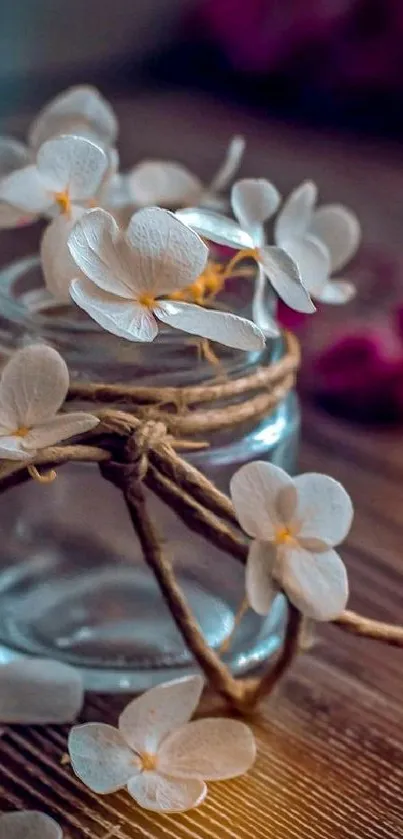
320,241
79,110
28,824
33,387
67,174
295,524
129,271
39,691
161,757
13,155
169,184
253,202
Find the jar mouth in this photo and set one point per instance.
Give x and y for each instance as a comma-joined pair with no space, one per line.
29,313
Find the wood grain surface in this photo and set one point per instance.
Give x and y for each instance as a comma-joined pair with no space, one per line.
330,743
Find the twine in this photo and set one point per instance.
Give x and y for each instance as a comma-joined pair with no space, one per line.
133,451
178,407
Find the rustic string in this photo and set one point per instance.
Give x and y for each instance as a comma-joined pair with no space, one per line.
133,452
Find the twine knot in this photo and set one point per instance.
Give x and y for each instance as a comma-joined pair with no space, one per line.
147,436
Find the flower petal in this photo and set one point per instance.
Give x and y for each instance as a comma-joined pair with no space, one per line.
101,758
261,587
98,247
261,304
229,166
164,183
58,266
339,229
312,260
337,292
39,691
285,278
11,448
223,327
33,386
164,794
212,749
29,824
295,216
254,200
73,164
13,155
122,317
215,228
81,106
166,255
316,583
57,429
254,490
324,509
25,189
147,720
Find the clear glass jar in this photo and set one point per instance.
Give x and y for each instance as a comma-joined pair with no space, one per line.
73,583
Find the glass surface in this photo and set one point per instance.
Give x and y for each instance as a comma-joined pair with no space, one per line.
73,583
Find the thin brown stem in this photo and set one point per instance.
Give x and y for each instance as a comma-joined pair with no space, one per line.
194,483
368,628
161,566
243,608
258,688
196,516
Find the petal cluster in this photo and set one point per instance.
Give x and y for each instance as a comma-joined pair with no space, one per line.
157,754
128,273
33,387
254,201
321,241
170,184
295,525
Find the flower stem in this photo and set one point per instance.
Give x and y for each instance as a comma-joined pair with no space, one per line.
245,253
242,609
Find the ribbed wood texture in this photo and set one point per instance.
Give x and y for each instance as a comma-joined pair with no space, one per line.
330,759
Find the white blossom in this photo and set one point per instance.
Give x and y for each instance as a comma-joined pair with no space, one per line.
79,110
67,174
254,202
28,824
129,272
163,759
295,525
169,184
39,691
33,387
13,155
321,241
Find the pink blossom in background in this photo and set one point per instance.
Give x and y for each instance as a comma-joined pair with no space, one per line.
339,43
261,34
361,373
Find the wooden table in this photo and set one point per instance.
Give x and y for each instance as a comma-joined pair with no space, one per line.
330,759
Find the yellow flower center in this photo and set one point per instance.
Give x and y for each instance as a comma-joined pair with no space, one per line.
284,536
213,277
148,761
63,201
147,300
22,431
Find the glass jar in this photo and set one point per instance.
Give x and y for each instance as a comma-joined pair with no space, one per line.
73,583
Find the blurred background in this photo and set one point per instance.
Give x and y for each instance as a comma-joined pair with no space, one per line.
316,87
